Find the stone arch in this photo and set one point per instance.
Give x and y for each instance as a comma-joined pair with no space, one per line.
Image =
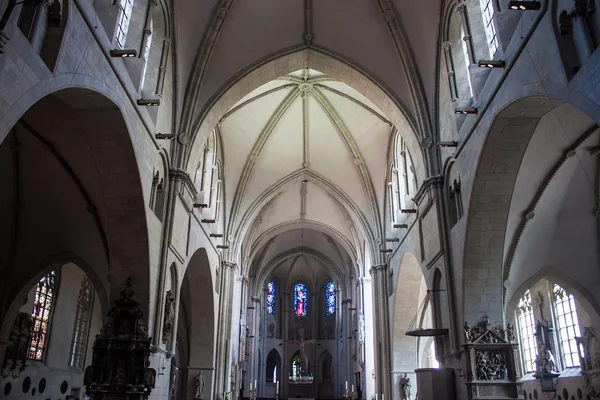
273,361
22,287
326,375
486,262
583,296
86,181
409,295
270,69
197,323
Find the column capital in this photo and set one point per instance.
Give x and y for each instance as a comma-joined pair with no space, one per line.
461,8
347,301
377,268
229,265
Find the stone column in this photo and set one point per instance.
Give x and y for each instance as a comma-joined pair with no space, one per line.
40,26
147,31
224,328
383,384
283,386
347,331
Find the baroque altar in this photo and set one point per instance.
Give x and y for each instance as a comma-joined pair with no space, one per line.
491,359
120,366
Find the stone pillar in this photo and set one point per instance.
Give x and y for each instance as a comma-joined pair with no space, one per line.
164,57
283,387
40,26
147,31
347,331
382,347
224,329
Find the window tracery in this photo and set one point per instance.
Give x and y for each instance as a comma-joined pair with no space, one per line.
271,291
80,328
526,324
41,313
567,324
125,9
300,299
330,298
487,12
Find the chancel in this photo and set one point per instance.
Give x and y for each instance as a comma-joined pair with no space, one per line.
300,199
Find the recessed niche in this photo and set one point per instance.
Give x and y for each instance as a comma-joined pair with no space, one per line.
565,393
26,384
63,387
7,388
42,385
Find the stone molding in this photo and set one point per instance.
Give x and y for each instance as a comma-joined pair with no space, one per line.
180,175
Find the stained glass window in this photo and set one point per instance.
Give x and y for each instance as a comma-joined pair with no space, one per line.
568,325
271,298
82,314
300,298
330,298
42,305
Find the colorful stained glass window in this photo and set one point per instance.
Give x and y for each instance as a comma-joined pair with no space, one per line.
300,298
271,298
42,305
330,298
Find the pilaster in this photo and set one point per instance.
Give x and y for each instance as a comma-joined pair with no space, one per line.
224,329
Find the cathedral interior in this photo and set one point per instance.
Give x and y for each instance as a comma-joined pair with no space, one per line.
269,199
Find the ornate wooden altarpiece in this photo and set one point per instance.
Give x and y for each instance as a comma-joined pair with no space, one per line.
121,362
491,356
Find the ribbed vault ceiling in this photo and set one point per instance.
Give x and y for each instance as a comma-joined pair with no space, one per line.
305,150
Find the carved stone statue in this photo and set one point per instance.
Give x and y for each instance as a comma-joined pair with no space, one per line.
199,385
169,317
545,362
404,387
467,329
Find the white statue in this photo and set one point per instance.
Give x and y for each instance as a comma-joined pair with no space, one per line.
199,385
404,387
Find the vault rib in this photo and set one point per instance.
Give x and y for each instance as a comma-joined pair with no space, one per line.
355,151
252,99
255,152
355,101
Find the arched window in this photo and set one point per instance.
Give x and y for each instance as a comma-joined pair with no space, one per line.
297,368
526,323
41,313
80,328
300,299
487,12
125,8
330,295
271,298
146,55
405,185
567,324
204,174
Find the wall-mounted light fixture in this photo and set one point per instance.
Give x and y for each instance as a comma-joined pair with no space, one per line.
400,226
216,235
524,5
148,102
208,221
392,240
165,136
491,63
452,143
386,250
123,53
408,211
222,246
465,110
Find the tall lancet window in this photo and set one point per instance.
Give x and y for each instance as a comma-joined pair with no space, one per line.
125,9
568,325
80,329
300,298
527,332
41,311
271,298
330,298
